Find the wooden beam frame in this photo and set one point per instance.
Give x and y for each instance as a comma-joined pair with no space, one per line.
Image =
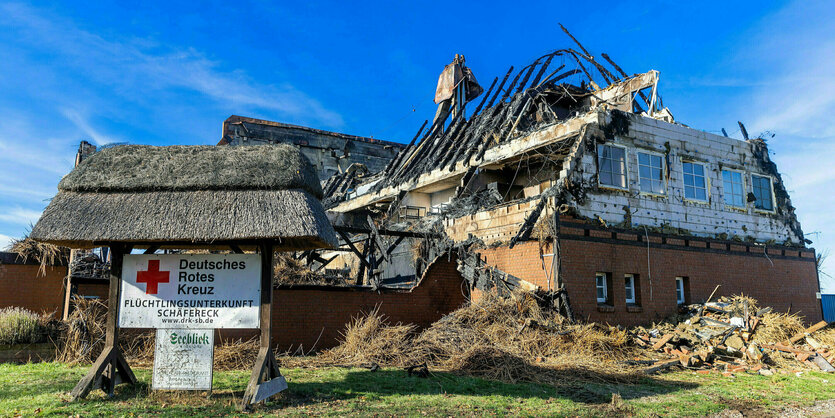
110,369
266,380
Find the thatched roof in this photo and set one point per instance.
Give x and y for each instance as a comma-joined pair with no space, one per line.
143,168
193,194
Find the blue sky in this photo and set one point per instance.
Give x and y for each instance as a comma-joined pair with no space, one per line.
164,73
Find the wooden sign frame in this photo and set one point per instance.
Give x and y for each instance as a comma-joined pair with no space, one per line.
111,368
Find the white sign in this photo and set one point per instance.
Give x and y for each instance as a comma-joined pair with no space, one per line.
183,359
190,291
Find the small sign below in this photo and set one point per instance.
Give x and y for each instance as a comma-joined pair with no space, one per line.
195,291
183,359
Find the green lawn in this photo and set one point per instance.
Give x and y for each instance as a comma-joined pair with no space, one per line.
43,388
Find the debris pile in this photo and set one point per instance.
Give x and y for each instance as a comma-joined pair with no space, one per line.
287,270
522,337
735,335
88,265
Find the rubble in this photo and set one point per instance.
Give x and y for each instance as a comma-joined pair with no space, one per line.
523,337
733,335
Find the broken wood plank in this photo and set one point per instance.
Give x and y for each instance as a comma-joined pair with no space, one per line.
805,332
783,348
664,340
662,365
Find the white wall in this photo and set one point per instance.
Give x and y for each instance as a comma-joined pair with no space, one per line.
704,219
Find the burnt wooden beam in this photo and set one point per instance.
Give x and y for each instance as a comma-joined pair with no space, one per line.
484,98
393,246
354,249
364,264
498,90
408,234
325,263
376,235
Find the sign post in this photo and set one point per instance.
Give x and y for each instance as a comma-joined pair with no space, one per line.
187,294
110,368
266,380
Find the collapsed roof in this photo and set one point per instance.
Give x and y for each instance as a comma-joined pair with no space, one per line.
535,99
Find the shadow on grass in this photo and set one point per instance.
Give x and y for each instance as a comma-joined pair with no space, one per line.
482,377
488,377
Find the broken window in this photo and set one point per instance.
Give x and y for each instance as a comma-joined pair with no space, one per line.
602,288
630,288
680,290
733,188
412,212
695,183
762,192
611,163
651,173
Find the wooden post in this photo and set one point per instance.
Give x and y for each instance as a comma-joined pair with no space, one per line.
266,380
110,368
68,287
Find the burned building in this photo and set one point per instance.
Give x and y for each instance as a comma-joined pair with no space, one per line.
570,176
330,152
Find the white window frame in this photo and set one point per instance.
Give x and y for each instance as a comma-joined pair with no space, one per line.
771,189
725,191
663,157
625,167
704,175
605,287
629,285
680,290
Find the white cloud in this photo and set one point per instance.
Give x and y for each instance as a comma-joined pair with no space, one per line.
5,242
793,95
20,216
82,124
138,65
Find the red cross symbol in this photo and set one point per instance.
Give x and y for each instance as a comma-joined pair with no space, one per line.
152,277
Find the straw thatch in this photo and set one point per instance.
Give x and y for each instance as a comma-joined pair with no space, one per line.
196,194
142,168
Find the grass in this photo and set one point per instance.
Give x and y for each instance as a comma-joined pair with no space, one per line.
43,389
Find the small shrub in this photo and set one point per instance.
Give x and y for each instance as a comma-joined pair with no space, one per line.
19,326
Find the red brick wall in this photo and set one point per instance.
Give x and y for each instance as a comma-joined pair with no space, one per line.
303,315
783,282
22,285
300,316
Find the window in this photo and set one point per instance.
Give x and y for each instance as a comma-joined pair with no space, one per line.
762,192
733,188
651,173
629,287
695,183
602,288
680,290
611,164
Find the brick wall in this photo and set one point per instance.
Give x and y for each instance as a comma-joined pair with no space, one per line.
786,280
314,316
302,315
22,285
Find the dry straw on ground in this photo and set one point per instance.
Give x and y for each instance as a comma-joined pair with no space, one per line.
519,338
511,339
